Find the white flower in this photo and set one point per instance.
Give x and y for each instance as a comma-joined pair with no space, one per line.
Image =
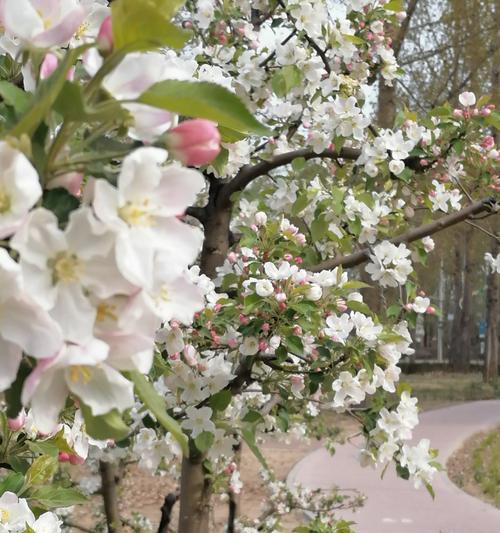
284,271
60,267
223,445
467,99
24,325
365,327
339,327
14,513
42,24
420,304
81,370
347,390
142,209
19,189
250,346
151,450
390,266
428,243
396,166
314,293
198,420
264,288
417,459
493,262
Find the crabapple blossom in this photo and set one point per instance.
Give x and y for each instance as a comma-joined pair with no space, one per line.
19,189
198,420
42,24
42,339
389,266
467,99
142,210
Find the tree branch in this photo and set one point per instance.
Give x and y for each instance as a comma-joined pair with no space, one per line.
248,173
414,234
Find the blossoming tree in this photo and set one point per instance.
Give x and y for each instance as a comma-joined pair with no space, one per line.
165,313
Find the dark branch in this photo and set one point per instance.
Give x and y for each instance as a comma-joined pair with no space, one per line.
414,234
248,173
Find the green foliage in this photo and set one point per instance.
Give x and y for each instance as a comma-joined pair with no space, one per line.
107,426
154,402
145,25
203,100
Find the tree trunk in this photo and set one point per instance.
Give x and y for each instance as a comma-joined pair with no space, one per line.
194,515
461,358
386,104
109,494
492,345
195,494
456,305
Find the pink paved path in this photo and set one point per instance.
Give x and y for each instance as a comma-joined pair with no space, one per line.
393,505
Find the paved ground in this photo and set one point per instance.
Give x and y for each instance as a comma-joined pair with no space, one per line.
393,505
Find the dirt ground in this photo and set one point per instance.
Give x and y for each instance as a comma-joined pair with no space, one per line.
143,493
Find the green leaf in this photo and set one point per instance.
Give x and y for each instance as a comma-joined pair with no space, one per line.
253,416
230,136
220,400
319,227
154,402
494,120
220,162
12,482
298,163
393,310
54,497
14,96
248,435
430,490
285,79
145,25
353,38
46,94
294,344
102,427
43,448
203,100
42,470
204,440
60,202
394,5
359,306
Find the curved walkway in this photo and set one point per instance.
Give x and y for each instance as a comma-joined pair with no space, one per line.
393,505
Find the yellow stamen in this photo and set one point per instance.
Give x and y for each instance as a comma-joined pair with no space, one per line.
66,267
5,201
106,311
4,516
136,214
80,373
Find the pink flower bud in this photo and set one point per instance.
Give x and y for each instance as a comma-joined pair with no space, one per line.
265,327
263,345
63,457
287,257
297,330
194,142
243,319
49,64
187,24
421,293
76,459
282,306
424,162
15,424
409,307
72,182
430,310
105,37
458,113
298,260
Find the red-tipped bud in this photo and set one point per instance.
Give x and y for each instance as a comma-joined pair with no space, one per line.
194,142
105,37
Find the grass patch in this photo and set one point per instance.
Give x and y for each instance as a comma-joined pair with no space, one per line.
437,389
486,464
